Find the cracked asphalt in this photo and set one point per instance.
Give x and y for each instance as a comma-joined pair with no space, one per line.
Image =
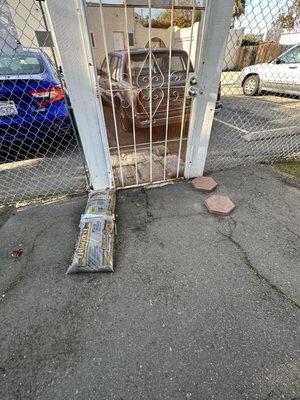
199,307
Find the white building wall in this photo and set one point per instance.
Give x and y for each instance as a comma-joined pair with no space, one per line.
290,37
234,41
114,21
27,18
8,33
182,38
19,20
142,35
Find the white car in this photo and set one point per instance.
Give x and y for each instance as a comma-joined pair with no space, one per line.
281,75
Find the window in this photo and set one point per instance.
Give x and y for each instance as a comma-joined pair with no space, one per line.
104,71
118,39
291,57
140,64
156,42
160,64
92,39
20,64
44,38
114,68
177,64
52,63
130,39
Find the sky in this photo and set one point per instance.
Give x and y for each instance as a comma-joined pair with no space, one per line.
259,14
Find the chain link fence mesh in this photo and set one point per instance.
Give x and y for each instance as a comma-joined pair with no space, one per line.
260,119
39,152
260,87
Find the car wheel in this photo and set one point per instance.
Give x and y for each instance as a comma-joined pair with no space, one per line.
250,85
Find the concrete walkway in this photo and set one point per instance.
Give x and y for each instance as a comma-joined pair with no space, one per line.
200,307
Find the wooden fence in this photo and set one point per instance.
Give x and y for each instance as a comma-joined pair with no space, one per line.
264,52
268,51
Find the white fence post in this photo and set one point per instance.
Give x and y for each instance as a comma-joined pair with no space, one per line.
213,44
67,21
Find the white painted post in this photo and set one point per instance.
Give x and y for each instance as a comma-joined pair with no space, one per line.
67,20
213,44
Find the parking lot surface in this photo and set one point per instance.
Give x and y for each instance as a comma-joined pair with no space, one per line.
253,129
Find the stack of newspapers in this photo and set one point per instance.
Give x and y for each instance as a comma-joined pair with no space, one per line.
95,244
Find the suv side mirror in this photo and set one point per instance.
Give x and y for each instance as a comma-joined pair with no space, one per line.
278,61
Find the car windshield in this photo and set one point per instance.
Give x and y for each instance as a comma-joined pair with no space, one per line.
160,65
20,64
291,57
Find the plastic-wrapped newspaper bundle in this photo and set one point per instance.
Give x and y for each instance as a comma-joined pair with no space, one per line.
100,203
95,244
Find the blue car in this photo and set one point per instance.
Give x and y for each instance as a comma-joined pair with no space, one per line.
32,103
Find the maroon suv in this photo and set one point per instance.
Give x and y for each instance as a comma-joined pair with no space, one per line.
134,88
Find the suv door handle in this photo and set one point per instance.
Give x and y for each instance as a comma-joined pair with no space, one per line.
293,67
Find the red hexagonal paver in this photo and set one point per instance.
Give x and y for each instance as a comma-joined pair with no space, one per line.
204,183
221,205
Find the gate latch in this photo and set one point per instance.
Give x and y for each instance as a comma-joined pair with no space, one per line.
193,85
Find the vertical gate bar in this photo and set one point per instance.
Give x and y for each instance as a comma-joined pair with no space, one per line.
214,39
150,85
186,87
169,87
74,48
111,91
199,39
131,92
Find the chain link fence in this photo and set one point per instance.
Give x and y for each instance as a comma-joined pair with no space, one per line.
260,119
39,151
40,154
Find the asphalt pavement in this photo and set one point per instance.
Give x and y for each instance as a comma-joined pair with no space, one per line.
199,306
253,129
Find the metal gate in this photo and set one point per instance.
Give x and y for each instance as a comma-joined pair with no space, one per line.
147,78
154,67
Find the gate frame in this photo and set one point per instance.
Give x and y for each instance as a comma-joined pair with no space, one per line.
217,21
81,79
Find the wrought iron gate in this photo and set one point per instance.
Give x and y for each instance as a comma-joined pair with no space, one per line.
155,104
147,77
